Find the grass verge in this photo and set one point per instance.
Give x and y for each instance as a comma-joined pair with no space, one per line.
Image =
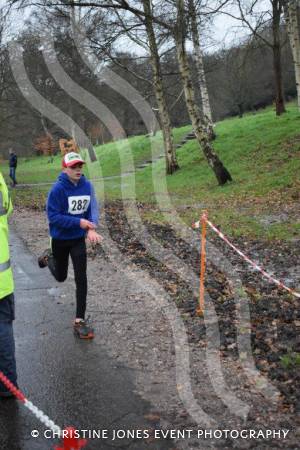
261,151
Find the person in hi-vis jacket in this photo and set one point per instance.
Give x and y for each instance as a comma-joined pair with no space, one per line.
7,308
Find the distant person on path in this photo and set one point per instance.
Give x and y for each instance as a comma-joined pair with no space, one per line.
13,162
73,216
7,343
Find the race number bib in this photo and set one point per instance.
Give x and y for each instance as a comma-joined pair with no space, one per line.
78,204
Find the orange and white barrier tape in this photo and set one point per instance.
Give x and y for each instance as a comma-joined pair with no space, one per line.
200,309
253,264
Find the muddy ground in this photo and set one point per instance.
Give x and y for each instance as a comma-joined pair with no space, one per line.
243,355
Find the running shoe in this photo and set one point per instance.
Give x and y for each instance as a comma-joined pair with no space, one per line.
83,330
43,259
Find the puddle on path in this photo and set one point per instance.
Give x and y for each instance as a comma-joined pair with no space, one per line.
54,292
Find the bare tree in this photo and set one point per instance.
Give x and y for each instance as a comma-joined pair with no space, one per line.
180,32
171,162
198,57
292,17
277,9
130,27
257,21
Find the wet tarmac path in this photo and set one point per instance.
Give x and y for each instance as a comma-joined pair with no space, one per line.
75,383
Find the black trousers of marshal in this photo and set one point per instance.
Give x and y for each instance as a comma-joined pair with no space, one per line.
61,249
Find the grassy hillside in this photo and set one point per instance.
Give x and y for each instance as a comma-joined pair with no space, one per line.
261,151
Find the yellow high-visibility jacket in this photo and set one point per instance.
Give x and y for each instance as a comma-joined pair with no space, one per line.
6,276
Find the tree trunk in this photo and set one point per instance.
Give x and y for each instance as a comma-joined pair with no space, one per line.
279,97
215,163
292,17
51,140
206,109
171,161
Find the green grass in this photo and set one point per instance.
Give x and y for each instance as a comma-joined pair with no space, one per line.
290,360
124,155
261,151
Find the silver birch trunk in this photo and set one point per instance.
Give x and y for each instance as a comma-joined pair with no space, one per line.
198,58
170,154
292,16
200,130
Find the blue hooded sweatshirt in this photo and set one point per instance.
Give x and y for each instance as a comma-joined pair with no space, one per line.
68,203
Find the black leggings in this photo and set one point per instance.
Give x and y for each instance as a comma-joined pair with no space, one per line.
58,266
